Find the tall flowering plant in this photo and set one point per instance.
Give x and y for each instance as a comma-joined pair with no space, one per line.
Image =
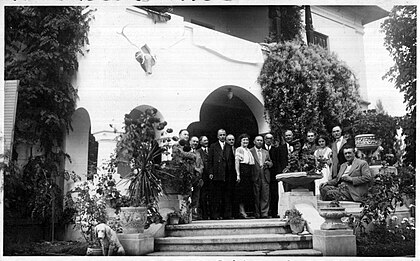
138,149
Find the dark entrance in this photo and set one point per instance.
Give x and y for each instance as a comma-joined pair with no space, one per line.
220,112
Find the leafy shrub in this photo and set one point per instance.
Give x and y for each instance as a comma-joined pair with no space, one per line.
388,240
306,87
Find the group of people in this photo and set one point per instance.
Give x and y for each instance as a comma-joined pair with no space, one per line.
235,181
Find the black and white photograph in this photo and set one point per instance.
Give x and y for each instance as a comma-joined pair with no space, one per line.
208,130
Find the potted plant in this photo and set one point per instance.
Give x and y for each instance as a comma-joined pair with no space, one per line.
89,209
138,149
173,217
295,221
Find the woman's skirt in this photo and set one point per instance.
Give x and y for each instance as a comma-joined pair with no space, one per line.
244,192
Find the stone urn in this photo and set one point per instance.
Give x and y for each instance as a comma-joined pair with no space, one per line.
366,142
133,219
332,216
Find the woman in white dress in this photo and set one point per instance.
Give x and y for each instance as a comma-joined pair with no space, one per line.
323,152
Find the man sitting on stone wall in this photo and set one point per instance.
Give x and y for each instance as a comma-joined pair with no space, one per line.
352,181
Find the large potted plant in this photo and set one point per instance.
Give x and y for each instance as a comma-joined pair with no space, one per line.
138,149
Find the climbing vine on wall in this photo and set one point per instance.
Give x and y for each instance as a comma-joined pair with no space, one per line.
42,45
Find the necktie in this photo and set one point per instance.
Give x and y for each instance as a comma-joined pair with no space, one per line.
260,157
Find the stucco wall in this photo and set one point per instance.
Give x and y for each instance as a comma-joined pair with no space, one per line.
345,35
191,63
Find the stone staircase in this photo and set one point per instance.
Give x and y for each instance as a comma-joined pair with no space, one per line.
239,237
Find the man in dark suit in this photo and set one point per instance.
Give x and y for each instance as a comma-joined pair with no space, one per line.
352,181
231,208
204,197
274,188
261,178
337,150
284,150
219,156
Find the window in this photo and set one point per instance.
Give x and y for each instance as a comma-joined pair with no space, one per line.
321,40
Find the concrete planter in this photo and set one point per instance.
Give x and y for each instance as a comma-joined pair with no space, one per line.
333,217
297,228
173,220
133,219
366,141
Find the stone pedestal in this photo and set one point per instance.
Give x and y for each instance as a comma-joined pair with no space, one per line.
335,242
288,200
136,244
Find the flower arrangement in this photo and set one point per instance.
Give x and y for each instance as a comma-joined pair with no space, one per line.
304,161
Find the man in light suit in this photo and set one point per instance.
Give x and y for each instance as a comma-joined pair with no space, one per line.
337,150
220,158
261,178
352,181
198,183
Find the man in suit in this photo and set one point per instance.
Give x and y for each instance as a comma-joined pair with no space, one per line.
261,178
352,181
310,146
274,188
198,182
284,150
220,154
337,150
204,204
230,206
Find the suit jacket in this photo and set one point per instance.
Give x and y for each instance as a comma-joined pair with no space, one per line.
205,158
219,160
283,157
275,158
337,157
258,168
360,172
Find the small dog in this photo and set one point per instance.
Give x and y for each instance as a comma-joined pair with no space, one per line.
109,241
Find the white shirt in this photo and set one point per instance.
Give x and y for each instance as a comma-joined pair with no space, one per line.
244,156
222,145
339,142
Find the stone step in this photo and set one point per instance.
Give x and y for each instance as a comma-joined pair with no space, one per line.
287,252
258,242
228,227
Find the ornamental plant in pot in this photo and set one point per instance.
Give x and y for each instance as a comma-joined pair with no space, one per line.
295,221
138,149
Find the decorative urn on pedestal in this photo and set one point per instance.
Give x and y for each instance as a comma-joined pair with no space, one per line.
332,215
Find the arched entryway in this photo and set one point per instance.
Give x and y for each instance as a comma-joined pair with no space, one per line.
231,108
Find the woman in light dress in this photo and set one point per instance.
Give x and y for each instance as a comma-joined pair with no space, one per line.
244,162
323,152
